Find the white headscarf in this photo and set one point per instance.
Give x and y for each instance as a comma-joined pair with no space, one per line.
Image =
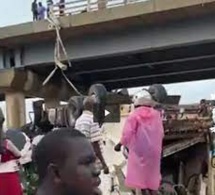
144,99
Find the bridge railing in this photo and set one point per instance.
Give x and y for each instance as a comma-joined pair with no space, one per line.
80,6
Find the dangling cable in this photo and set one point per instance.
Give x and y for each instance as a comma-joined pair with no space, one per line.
59,46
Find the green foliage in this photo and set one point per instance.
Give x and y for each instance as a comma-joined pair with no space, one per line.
29,179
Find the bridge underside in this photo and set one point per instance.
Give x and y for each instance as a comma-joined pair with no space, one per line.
169,65
149,49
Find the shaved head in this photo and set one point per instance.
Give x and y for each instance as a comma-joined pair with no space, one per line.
65,162
88,103
53,149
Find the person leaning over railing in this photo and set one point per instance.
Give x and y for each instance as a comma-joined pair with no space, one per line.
49,5
61,7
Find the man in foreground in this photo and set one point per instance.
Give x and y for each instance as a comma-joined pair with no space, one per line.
65,162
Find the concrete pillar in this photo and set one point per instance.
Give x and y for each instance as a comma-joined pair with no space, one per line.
51,103
15,108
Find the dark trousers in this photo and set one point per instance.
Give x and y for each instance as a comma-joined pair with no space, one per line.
35,16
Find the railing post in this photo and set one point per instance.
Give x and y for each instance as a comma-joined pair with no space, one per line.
88,6
101,4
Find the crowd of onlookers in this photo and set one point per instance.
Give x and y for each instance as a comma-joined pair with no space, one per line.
65,160
40,11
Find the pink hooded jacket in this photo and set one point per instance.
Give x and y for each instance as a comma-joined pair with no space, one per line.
143,134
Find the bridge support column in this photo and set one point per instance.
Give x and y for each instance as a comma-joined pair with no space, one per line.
15,108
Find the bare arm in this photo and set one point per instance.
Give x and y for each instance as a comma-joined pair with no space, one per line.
97,149
12,148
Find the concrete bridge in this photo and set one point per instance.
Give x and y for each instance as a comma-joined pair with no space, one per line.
157,41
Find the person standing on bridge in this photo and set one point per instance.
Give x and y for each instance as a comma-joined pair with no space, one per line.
142,135
34,10
49,6
41,11
62,7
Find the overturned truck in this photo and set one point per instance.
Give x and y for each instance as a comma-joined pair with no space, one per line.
186,163
187,142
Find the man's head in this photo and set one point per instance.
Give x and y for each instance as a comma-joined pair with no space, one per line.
40,4
89,103
65,162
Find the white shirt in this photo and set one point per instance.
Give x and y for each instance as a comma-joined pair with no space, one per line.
88,127
37,139
26,152
9,167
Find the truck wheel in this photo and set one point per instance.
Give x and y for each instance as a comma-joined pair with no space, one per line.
100,93
158,93
124,91
74,109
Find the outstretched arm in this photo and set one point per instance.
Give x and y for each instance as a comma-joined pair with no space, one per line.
96,138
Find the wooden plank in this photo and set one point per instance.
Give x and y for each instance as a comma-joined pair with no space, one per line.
180,136
179,146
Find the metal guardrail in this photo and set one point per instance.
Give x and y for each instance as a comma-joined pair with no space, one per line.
79,6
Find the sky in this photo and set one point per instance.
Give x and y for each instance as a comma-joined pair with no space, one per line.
16,11
19,11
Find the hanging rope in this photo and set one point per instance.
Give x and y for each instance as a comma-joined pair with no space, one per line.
59,47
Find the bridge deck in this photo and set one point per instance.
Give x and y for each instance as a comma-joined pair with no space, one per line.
127,46
150,11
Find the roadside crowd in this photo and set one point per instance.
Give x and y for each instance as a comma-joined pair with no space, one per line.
66,159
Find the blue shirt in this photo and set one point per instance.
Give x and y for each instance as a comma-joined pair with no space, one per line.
41,12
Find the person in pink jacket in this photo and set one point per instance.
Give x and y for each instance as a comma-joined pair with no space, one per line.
142,135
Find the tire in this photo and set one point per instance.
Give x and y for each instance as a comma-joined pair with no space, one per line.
158,93
100,93
74,109
123,92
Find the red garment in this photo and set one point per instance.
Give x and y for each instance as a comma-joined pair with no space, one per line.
7,156
9,182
